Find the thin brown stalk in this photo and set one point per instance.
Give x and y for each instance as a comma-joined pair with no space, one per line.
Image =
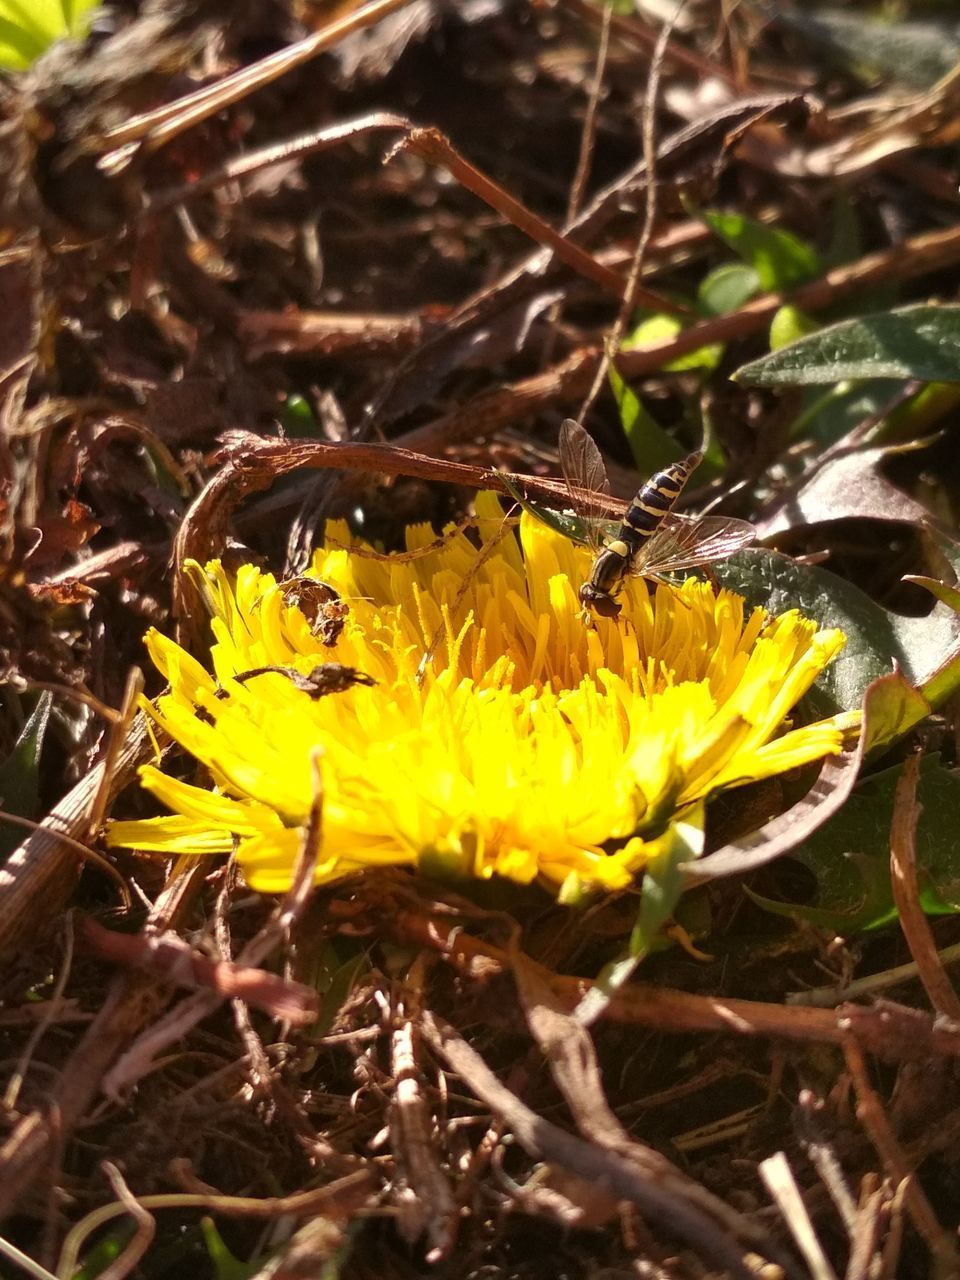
146,1227
891,1031
319,1200
632,291
152,129
172,1026
874,1119
432,146
297,148
132,1001
589,131
561,384
630,31
424,1196
906,894
51,1014
865,1235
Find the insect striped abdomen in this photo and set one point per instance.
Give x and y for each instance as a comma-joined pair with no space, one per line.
655,500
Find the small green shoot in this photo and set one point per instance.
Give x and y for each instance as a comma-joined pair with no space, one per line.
29,27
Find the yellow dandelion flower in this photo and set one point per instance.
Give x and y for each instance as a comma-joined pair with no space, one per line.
529,746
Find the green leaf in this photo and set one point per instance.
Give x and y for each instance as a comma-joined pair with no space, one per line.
944,591
18,46
849,855
876,638
225,1265
298,418
336,973
20,774
650,445
920,415
29,27
846,242
830,415
661,328
778,257
891,707
105,1252
945,681
790,324
727,288
913,342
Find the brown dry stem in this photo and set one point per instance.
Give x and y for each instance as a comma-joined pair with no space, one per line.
906,895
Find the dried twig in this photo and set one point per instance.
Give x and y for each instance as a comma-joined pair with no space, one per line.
153,129
146,1228
565,382
891,1031
131,1002
170,959
253,464
174,1025
588,132
571,1056
432,146
632,290
53,1006
865,1234
426,1202
621,1177
906,894
780,1182
37,878
349,1191
870,1113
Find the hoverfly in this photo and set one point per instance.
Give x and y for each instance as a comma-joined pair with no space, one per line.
651,541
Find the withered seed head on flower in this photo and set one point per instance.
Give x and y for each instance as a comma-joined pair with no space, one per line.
530,747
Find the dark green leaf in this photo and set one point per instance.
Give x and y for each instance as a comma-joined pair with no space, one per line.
914,342
298,418
829,415
876,638
20,774
106,1251
850,854
914,54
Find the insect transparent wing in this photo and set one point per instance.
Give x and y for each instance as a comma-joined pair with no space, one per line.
585,474
686,543
580,458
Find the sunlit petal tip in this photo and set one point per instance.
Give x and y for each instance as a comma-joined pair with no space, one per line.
524,745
